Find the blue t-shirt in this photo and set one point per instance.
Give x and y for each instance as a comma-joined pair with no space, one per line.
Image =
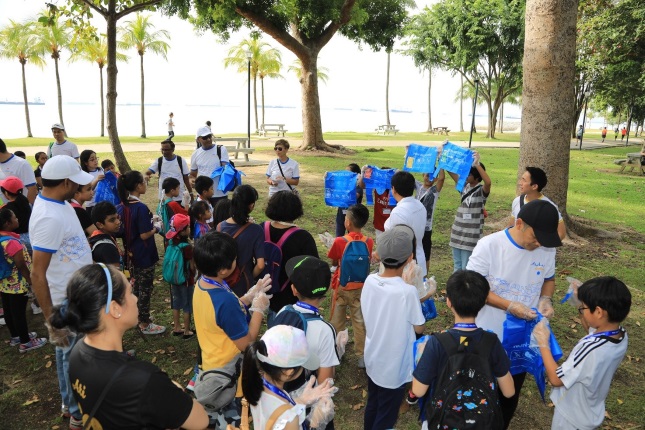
143,253
230,314
250,246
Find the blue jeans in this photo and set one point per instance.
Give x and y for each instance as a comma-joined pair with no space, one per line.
62,369
460,258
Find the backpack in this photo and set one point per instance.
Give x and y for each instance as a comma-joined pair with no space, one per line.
465,394
273,257
160,162
522,197
289,316
219,155
5,269
355,263
174,265
165,213
234,277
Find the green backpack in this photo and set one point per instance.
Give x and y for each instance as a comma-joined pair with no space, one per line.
174,266
165,213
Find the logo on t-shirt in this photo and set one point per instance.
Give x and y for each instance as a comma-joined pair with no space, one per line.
538,267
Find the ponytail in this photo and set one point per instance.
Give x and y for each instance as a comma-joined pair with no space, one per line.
243,197
251,378
127,183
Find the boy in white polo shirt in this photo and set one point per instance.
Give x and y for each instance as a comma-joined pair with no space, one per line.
392,314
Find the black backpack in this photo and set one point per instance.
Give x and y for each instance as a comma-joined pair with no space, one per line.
160,162
465,395
219,155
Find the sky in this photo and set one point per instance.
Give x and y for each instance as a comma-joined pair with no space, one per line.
194,73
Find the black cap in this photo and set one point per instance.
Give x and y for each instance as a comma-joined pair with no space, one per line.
310,275
543,217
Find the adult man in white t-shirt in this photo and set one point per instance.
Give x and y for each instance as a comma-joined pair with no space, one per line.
10,165
531,183
60,249
205,160
520,268
172,166
62,146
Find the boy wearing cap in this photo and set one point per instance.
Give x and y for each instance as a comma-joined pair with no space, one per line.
520,269
60,249
392,314
206,159
61,146
181,296
104,247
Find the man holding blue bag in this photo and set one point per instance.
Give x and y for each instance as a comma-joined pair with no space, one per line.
520,267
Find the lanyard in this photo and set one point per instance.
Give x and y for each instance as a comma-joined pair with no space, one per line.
308,307
278,391
465,325
217,284
603,333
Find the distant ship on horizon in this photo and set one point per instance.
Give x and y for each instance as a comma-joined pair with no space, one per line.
36,101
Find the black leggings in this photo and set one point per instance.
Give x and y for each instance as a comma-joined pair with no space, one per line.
15,315
508,405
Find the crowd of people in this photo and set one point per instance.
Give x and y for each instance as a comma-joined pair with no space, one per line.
90,269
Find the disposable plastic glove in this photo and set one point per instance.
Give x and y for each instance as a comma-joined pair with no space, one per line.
185,199
157,225
572,294
262,286
341,342
476,158
322,413
431,286
260,303
542,334
326,239
545,307
311,394
59,336
521,311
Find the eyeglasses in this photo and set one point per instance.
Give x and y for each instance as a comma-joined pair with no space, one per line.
278,148
581,309
210,136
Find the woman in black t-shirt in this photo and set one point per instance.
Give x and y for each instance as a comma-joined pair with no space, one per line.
100,304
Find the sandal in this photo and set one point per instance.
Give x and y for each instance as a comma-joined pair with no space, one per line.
177,333
189,335
153,328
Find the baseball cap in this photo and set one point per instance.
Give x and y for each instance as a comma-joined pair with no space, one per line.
12,184
65,167
177,224
58,126
203,131
287,348
310,275
543,217
395,245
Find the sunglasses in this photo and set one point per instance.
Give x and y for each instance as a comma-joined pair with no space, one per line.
210,136
278,148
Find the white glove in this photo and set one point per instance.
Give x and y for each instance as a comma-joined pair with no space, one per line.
341,342
185,199
521,311
574,284
545,306
157,225
542,334
326,239
431,286
322,413
260,303
262,286
156,218
311,394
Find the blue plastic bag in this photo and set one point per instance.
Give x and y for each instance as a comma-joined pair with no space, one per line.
524,358
429,309
457,160
340,188
421,159
418,347
379,180
228,177
106,191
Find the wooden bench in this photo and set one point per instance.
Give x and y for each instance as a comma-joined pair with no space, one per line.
633,159
241,146
267,128
440,130
386,129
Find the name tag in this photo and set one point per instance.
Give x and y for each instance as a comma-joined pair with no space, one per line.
344,211
387,211
468,216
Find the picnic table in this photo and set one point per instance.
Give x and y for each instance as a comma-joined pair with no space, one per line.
440,130
277,128
633,159
386,129
242,146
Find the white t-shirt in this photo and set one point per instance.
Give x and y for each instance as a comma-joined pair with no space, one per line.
170,169
411,212
20,168
390,310
291,170
98,171
205,161
171,124
267,404
54,228
321,338
65,148
513,273
515,206
587,375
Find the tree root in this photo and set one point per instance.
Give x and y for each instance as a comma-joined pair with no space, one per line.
579,227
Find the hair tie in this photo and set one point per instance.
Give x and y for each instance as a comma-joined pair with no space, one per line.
109,284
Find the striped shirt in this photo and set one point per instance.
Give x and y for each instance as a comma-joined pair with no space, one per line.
469,220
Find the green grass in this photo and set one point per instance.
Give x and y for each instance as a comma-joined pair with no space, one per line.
610,200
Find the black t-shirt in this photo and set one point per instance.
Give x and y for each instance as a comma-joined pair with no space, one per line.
142,397
299,243
106,250
23,213
83,217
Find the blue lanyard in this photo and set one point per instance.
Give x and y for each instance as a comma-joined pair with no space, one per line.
465,325
604,333
308,307
217,284
278,391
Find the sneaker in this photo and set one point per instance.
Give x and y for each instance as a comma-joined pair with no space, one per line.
191,383
411,398
15,341
75,424
64,411
36,309
361,363
2,322
153,329
33,344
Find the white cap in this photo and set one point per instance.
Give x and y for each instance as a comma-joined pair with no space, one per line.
65,167
58,126
287,347
203,131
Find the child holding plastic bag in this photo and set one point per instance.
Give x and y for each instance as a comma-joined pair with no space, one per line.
581,383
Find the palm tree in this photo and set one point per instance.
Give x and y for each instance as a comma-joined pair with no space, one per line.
139,34
387,89
94,50
17,41
52,38
265,62
296,67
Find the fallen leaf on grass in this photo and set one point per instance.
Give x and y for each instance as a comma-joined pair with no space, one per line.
638,323
55,427
46,357
160,351
187,371
171,349
574,330
31,401
357,406
175,361
364,393
551,405
607,415
16,382
48,365
620,402
154,359
572,326
354,387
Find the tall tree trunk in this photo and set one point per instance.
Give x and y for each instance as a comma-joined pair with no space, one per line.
56,56
501,118
461,105
262,92
387,91
255,101
548,91
143,111
102,103
24,97
429,104
112,71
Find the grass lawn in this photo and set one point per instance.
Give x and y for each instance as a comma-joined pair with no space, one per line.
597,194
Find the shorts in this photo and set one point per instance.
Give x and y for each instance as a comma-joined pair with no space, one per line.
427,244
181,297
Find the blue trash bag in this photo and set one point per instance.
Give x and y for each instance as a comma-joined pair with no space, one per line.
420,159
429,309
418,347
379,180
106,191
457,160
227,177
340,188
524,357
